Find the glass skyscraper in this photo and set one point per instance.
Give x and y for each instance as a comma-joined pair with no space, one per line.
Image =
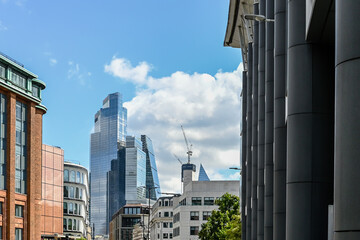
109,132
152,178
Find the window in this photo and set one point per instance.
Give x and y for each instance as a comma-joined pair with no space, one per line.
75,208
71,210
80,193
19,211
74,225
171,214
70,225
77,193
18,79
158,236
20,148
160,203
165,235
71,195
1,208
79,210
176,217
165,225
166,203
82,178
18,234
194,230
65,224
35,91
1,233
170,224
196,201
66,191
194,215
208,201
72,176
166,214
176,231
126,211
65,208
78,177
159,214
170,234
2,141
2,71
206,215
183,202
66,175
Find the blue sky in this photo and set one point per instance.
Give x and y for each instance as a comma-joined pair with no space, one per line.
76,47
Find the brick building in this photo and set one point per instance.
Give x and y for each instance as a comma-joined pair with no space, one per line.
20,151
52,192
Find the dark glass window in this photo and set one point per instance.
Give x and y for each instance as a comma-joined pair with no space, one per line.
166,203
208,201
74,225
206,215
170,234
196,201
65,208
65,224
1,233
165,225
1,208
194,215
20,148
77,193
70,225
35,91
18,234
165,235
194,230
66,175
78,177
66,191
71,195
176,231
170,224
130,222
19,211
75,208
166,214
71,210
2,141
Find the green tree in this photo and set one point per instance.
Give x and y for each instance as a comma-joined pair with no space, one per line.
225,222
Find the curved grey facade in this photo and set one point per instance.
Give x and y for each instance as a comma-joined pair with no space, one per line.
312,115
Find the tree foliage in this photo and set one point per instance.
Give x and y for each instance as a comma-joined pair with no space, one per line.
225,222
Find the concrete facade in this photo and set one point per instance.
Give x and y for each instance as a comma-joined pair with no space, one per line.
311,112
76,200
20,154
192,208
161,225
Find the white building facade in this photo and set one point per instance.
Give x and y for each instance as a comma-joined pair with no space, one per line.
76,200
161,224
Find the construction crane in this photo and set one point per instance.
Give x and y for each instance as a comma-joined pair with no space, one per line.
178,159
189,152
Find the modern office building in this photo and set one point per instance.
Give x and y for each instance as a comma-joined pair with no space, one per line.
152,177
195,205
300,117
52,183
76,200
109,132
135,170
21,114
161,225
124,220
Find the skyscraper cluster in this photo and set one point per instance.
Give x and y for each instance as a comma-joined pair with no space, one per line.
123,168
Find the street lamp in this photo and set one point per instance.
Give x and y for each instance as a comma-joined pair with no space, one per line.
236,168
149,189
259,18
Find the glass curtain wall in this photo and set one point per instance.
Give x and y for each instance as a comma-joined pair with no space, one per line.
20,148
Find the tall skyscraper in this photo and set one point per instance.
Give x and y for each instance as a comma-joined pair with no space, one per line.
152,178
202,174
109,131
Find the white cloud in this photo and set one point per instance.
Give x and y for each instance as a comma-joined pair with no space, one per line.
120,67
52,61
207,106
76,73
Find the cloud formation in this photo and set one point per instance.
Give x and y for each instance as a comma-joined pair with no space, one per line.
121,67
52,61
207,106
74,72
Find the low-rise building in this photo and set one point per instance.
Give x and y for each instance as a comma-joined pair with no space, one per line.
124,220
161,224
76,200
